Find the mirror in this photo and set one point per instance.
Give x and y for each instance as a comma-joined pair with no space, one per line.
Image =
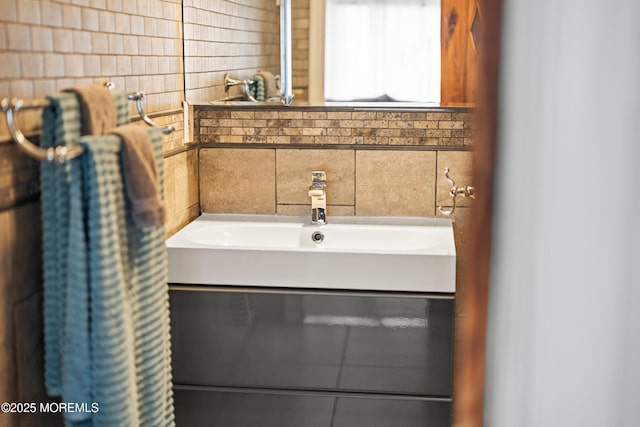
240,39
376,50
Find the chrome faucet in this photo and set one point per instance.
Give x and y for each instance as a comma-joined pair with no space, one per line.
318,194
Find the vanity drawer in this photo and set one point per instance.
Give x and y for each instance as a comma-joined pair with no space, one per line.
369,343
213,409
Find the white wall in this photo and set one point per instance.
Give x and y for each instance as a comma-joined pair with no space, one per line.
564,323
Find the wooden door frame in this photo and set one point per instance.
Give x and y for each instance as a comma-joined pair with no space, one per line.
470,375
454,64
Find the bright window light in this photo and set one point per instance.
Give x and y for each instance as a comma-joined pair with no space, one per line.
378,49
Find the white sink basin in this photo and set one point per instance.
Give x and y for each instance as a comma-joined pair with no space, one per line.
391,254
336,237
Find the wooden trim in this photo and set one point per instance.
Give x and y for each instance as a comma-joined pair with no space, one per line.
471,91
470,375
454,28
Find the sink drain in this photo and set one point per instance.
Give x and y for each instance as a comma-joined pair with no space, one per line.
317,236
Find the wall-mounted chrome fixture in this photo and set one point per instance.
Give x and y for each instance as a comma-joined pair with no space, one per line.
139,97
286,52
467,191
318,194
58,154
229,82
250,89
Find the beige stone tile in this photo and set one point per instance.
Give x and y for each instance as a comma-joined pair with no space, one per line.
32,65
395,183
425,124
380,115
340,115
181,181
10,65
20,254
438,116
326,140
314,115
20,311
339,210
294,175
446,124
414,116
364,115
237,180
460,164
13,163
242,114
293,210
290,114
90,20
29,11
305,210
264,114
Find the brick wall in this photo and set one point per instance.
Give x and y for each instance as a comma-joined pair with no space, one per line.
315,125
300,49
50,45
239,38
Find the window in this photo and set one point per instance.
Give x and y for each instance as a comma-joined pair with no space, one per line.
378,48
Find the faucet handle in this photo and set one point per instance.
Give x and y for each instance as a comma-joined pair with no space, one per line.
318,176
470,192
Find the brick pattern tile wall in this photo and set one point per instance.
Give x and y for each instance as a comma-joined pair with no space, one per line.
225,36
49,45
312,126
300,48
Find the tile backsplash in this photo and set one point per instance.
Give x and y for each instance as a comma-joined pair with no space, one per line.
390,163
313,125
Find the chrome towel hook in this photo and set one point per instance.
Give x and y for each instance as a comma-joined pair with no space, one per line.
138,97
52,154
467,191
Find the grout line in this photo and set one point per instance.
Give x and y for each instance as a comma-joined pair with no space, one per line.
435,193
356,147
275,179
355,183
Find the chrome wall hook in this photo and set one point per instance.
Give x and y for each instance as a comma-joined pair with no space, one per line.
467,191
138,97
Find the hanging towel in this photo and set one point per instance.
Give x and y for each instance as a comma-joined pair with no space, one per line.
99,111
61,126
106,306
140,176
126,265
270,88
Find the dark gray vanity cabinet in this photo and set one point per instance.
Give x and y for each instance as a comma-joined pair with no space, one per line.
280,357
